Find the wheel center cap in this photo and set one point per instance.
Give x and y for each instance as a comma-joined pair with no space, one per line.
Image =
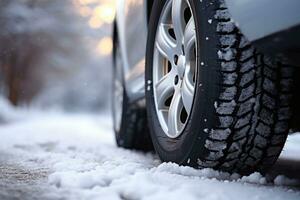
181,66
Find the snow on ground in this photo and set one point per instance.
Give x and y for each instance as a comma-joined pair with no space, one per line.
292,147
74,156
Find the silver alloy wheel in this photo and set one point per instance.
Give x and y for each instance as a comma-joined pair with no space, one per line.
118,92
174,66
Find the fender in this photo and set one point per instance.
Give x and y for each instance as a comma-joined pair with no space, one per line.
132,39
271,25
260,18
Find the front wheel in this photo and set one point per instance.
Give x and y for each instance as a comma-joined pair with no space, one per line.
212,99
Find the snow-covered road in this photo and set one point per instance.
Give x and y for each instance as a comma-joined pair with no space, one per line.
61,156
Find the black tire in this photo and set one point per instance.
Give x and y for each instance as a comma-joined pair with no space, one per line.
241,112
133,132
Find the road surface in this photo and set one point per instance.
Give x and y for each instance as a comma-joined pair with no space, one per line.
51,155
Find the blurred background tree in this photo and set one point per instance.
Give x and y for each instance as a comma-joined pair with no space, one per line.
56,53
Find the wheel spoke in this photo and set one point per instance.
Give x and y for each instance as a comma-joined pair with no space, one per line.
164,42
189,39
178,20
174,113
164,89
187,90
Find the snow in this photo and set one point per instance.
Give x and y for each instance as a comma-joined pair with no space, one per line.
292,147
81,159
254,178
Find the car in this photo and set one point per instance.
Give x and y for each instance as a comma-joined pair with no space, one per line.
206,83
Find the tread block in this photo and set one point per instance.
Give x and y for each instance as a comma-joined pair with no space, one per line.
228,40
215,155
241,133
243,121
247,77
269,72
260,141
268,101
244,42
248,65
229,78
263,130
233,155
215,145
269,86
247,92
225,27
266,116
246,54
226,108
269,62
222,15
219,134
256,153
246,106
237,146
229,93
228,66
250,162
225,121
227,54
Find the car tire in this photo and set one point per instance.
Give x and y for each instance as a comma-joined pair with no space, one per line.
239,120
129,120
